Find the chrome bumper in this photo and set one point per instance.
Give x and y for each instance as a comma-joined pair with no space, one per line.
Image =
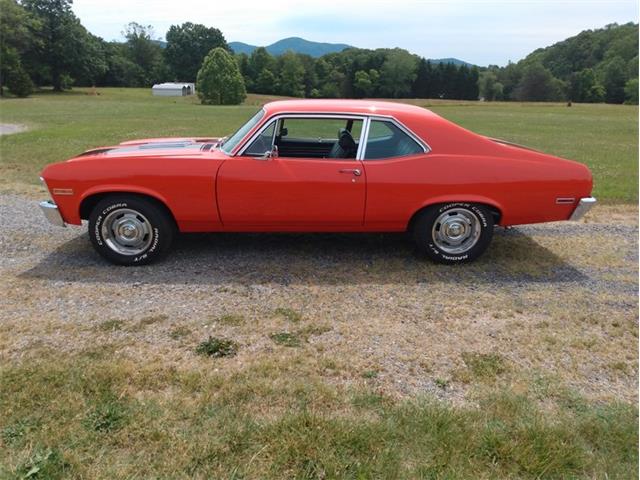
583,207
52,213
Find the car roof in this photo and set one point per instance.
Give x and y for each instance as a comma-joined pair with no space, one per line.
440,134
344,106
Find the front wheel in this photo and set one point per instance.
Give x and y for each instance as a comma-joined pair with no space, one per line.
128,230
454,232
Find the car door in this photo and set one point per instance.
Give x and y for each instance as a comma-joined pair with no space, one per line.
305,186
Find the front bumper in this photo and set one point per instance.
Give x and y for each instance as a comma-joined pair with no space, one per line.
584,205
52,213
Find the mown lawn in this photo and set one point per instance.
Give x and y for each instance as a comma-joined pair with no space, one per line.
605,137
99,416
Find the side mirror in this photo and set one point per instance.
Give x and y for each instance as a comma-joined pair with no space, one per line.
269,154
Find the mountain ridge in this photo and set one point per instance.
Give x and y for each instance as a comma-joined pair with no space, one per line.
316,49
296,44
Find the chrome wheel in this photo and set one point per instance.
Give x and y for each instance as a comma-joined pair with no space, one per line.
127,232
456,231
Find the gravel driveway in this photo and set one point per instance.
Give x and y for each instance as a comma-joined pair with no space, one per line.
557,300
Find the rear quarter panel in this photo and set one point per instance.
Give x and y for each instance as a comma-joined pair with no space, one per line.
523,189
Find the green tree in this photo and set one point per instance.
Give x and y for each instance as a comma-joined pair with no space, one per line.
471,91
366,83
219,79
489,86
584,87
614,79
266,82
18,82
539,85
146,53
187,45
631,92
423,84
259,60
397,74
121,71
16,38
291,78
333,85
64,49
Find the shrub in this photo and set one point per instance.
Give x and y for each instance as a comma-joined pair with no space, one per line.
19,83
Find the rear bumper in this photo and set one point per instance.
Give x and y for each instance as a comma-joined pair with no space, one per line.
584,205
52,213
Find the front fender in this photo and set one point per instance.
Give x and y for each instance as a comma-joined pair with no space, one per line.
121,188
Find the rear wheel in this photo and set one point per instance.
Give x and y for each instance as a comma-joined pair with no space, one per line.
454,232
128,230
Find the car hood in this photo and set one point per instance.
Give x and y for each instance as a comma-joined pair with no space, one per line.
169,146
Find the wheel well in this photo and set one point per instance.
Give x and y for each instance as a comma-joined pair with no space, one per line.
89,203
495,212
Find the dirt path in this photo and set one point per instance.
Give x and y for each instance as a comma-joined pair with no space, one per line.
557,301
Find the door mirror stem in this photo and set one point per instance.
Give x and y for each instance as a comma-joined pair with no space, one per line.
269,154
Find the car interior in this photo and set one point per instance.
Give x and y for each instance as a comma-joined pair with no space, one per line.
318,138
332,138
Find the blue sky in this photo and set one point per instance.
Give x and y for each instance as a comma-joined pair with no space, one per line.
480,32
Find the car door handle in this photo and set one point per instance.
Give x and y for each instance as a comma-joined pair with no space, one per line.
353,171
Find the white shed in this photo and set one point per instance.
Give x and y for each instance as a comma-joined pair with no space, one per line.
170,89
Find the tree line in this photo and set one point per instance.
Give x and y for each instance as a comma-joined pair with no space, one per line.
598,65
43,43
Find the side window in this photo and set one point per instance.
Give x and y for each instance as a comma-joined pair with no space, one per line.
386,140
263,143
319,129
326,138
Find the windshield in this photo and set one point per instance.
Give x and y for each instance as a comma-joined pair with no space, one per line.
231,142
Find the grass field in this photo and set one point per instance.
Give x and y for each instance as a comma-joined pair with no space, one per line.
318,356
605,137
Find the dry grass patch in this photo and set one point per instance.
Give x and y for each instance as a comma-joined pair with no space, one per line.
288,314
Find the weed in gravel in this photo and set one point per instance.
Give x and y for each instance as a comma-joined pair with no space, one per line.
111,325
313,331
150,320
231,319
107,415
179,332
217,347
620,367
288,314
368,400
484,366
14,433
296,338
441,383
286,339
44,463
370,374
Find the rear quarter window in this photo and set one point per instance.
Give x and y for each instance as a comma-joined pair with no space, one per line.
387,140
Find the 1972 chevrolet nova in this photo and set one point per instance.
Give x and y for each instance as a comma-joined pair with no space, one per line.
316,166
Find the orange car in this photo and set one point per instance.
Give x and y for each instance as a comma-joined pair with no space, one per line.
316,166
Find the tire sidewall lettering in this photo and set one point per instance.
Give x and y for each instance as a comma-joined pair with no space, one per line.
97,231
478,211
152,248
